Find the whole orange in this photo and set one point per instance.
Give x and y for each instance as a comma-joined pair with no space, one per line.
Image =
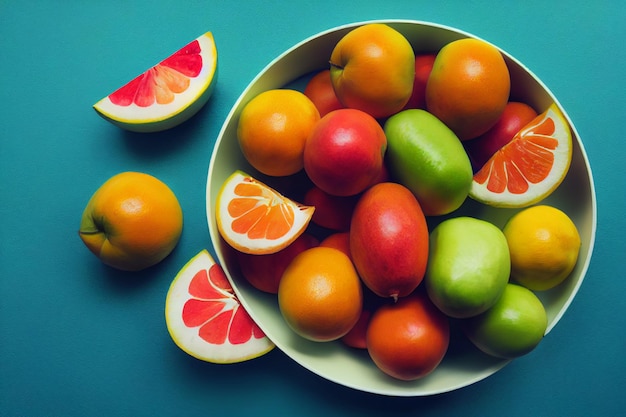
273,128
408,339
468,87
132,221
320,295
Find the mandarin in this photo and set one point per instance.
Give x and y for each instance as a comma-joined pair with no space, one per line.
273,128
320,295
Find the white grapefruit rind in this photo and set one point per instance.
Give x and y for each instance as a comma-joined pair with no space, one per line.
158,117
241,242
539,191
187,338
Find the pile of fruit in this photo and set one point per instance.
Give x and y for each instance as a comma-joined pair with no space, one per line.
376,146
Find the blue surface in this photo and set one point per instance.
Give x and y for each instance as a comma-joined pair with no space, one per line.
81,339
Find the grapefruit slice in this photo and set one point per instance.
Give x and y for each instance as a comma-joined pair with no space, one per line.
254,218
205,319
530,167
168,93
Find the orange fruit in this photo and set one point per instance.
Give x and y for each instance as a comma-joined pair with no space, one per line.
409,338
530,167
320,295
168,93
132,221
544,244
273,128
254,218
205,319
468,87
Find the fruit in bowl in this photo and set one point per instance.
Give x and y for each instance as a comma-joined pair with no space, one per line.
463,363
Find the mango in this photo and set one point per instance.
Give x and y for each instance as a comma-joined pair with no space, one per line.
389,240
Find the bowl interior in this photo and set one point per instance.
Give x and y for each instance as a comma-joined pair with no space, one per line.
464,364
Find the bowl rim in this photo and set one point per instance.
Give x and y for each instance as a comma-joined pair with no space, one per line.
236,107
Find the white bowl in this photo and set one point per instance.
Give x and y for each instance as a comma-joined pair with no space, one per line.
463,364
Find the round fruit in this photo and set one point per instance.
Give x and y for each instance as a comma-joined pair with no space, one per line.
331,211
530,167
357,336
544,245
345,151
273,128
468,87
339,240
132,221
206,320
389,240
254,218
468,266
264,272
511,328
426,156
372,69
423,67
320,91
320,294
408,339
167,94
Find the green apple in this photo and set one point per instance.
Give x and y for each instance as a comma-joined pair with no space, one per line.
468,266
513,327
425,156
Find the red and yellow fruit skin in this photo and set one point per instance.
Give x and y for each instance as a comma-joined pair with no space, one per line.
372,69
345,152
390,260
408,339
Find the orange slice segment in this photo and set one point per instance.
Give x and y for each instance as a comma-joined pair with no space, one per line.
530,167
254,218
205,319
166,94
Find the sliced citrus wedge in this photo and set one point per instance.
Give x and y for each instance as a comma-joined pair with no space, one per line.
206,320
168,93
254,218
530,167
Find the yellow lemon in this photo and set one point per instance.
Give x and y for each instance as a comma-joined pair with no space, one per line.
544,244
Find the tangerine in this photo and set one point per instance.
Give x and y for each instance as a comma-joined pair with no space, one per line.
468,87
320,295
273,128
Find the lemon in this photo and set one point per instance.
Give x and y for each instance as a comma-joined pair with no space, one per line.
544,244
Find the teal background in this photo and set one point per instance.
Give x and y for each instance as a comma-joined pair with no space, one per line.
80,339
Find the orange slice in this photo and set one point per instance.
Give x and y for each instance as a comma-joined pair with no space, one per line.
530,167
205,319
168,93
254,218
